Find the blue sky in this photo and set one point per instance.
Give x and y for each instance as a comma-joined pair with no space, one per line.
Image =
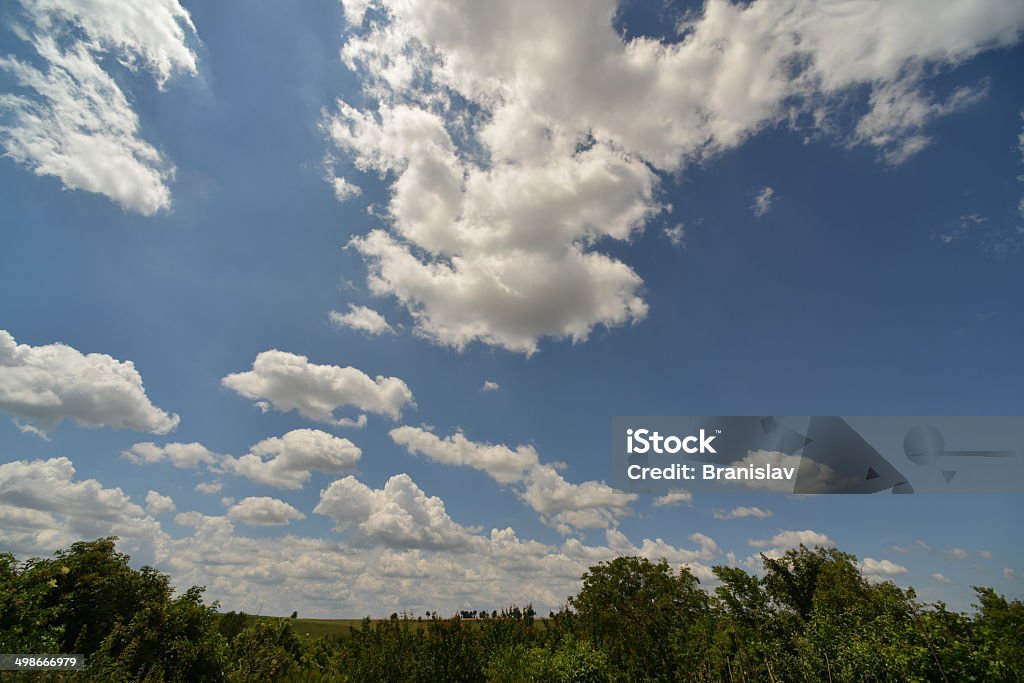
512,225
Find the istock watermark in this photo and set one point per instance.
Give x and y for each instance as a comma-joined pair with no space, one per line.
818,454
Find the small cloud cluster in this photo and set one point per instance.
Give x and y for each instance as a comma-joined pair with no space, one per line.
673,498
763,202
741,512
362,319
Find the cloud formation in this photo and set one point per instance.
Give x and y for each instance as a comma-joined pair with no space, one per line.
183,455
673,498
763,202
290,382
287,461
362,319
263,511
70,119
157,504
519,139
43,507
741,512
560,504
399,515
50,383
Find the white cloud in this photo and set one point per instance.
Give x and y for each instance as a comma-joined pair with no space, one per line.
763,201
742,511
362,319
899,112
184,455
404,550
209,487
941,579
157,504
290,382
785,540
43,507
399,515
264,511
957,553
881,567
490,386
985,554
504,464
46,384
510,163
560,504
287,461
672,499
564,505
344,190
676,235
77,124
1009,573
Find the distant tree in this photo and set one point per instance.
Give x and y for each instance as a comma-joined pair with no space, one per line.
295,614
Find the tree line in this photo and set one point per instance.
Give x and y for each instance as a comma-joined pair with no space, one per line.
810,616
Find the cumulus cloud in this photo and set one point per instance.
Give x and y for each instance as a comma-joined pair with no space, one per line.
941,579
362,319
209,487
742,511
43,507
504,464
403,550
560,504
673,498
263,511
287,461
784,540
50,383
157,504
183,455
763,202
399,515
881,567
71,119
490,386
565,505
1009,573
510,166
290,382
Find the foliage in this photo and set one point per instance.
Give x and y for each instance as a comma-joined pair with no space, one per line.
812,616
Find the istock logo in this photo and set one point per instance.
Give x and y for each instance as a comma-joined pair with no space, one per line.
647,441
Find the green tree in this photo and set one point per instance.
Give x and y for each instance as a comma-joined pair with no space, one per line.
166,640
637,612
